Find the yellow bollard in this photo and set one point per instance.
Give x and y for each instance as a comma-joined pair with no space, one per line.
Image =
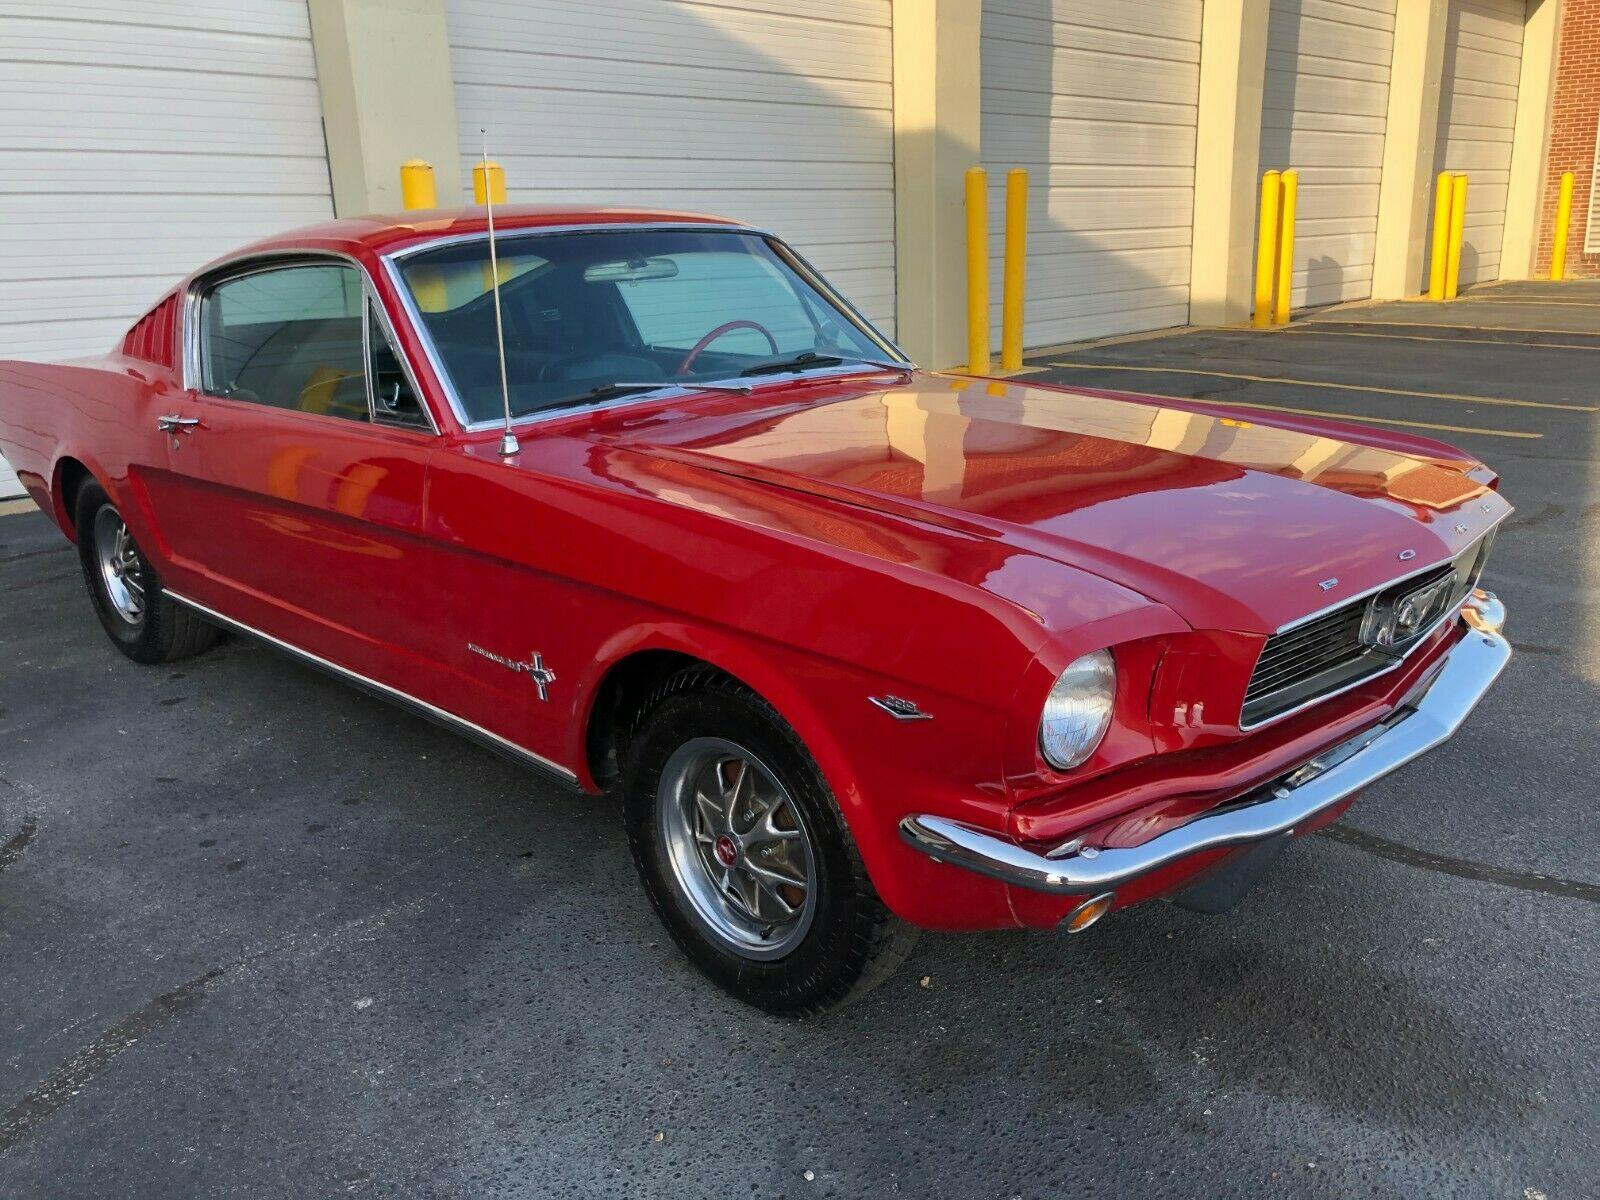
1558,247
1458,221
480,190
977,271
1441,235
1286,207
416,185
1267,249
1014,280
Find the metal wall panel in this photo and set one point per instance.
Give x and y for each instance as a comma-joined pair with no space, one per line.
776,112
1098,100
1477,116
138,139
1324,110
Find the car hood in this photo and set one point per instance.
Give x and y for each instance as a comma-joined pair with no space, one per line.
1231,520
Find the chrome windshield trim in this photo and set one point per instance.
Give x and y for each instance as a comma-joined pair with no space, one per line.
391,266
1469,670
405,699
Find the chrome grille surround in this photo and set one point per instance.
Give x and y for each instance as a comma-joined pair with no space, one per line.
1325,654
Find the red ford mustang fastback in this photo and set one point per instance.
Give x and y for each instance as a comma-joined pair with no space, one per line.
860,649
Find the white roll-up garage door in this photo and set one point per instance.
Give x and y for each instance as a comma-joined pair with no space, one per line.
138,139
776,112
1477,116
1323,113
1098,100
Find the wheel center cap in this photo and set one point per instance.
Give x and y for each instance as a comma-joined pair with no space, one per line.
727,853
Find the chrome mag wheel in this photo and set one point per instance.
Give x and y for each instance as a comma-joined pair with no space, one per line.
738,846
122,570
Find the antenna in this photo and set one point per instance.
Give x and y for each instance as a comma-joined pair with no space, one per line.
508,440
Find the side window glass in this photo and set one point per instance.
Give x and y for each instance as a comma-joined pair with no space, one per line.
289,337
393,400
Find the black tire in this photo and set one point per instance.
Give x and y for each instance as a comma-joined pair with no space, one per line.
161,631
852,941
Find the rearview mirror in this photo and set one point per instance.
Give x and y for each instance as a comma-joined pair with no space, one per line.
633,270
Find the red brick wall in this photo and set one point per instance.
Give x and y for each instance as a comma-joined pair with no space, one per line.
1573,114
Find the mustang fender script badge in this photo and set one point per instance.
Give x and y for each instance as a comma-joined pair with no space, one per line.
541,675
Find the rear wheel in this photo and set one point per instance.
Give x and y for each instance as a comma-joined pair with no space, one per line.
138,616
745,855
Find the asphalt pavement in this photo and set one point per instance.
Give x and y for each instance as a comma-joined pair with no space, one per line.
261,935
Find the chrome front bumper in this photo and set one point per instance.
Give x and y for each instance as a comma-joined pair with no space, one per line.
1469,669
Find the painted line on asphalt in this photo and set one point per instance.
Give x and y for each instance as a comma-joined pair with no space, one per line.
1420,337
1363,417
1402,324
1527,881
1530,303
1453,397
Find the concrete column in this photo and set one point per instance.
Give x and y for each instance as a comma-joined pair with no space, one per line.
383,68
1233,66
936,138
1529,139
1405,196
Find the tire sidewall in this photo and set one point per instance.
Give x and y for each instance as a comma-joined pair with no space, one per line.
823,963
141,641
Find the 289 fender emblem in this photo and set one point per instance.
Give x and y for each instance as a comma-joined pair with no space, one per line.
900,709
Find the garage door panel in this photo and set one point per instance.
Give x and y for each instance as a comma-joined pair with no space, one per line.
1067,72
776,113
1175,19
138,139
1001,102
153,46
1081,241
1098,99
1020,141
1081,33
724,38
1324,114
1096,271
511,69
1477,113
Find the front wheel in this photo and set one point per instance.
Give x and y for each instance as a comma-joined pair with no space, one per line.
138,616
744,853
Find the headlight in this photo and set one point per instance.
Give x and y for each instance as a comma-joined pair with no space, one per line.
1078,710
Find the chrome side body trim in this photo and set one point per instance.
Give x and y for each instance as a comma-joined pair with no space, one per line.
1469,669
799,265
383,691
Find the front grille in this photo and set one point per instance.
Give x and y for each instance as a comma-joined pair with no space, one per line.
1327,654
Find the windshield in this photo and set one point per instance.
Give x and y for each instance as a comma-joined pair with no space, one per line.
587,314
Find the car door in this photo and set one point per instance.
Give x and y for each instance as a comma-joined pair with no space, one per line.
304,455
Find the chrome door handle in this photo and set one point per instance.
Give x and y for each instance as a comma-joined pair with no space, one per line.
173,423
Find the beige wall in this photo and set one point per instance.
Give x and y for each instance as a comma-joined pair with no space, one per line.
936,136
383,68
1233,64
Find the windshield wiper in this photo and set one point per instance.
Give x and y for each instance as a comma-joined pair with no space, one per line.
810,358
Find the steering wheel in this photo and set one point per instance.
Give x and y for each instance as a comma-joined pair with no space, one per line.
728,327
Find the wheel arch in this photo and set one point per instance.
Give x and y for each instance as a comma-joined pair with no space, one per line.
634,664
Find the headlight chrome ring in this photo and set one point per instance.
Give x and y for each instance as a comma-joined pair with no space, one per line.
1077,712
